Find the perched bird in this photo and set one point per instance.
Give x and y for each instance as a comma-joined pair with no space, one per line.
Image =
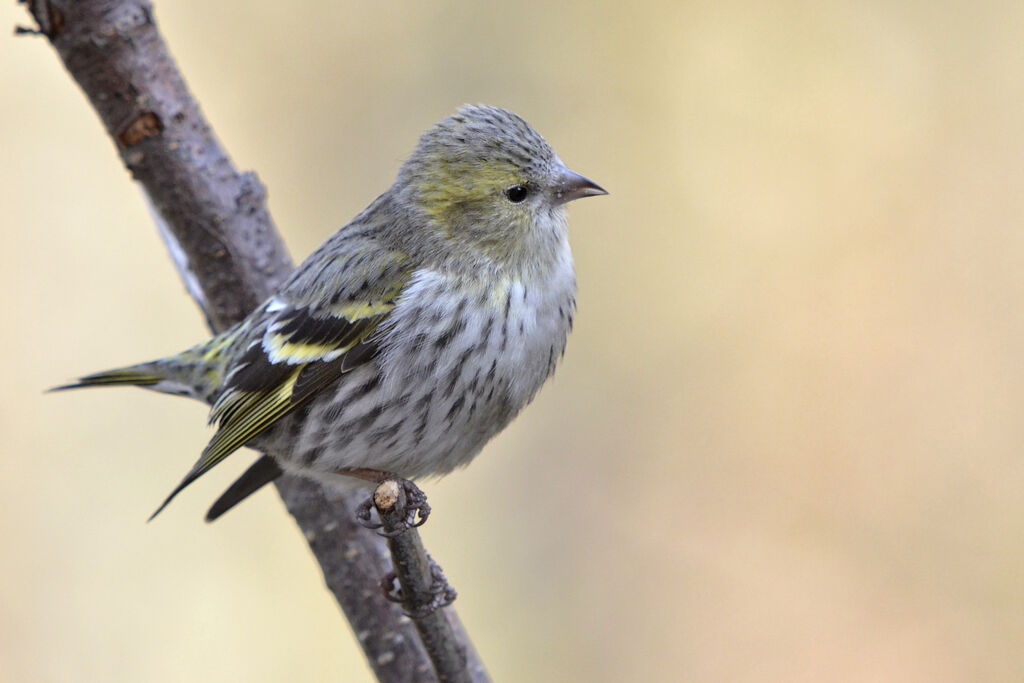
410,337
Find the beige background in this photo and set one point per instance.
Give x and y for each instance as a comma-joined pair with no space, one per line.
785,444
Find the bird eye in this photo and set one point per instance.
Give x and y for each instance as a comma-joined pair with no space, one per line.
517,193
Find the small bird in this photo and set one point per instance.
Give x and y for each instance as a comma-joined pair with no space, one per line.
411,336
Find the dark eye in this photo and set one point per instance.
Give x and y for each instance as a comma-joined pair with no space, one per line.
517,193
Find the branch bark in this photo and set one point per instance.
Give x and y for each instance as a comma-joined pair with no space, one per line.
228,252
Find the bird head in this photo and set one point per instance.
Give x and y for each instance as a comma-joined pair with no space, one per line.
485,185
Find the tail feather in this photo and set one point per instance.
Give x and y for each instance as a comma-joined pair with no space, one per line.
261,472
144,375
196,372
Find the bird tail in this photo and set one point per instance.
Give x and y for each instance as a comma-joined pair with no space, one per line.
196,373
142,375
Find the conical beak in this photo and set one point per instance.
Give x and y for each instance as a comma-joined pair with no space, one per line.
574,186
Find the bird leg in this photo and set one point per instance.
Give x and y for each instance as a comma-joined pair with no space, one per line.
415,502
442,594
420,587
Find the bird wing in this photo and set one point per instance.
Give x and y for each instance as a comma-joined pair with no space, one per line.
307,343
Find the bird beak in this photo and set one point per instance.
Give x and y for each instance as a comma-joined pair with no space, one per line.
574,186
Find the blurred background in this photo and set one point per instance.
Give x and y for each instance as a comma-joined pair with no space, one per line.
785,443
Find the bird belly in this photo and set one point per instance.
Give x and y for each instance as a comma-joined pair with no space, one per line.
457,363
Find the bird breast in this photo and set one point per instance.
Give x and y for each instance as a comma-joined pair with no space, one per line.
459,357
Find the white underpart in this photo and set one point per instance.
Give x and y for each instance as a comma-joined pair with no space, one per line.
442,397
524,360
178,255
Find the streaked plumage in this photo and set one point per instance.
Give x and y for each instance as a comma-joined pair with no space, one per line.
413,335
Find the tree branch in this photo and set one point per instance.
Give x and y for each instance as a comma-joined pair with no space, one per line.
422,586
217,228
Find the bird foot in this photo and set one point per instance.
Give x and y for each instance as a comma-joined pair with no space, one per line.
441,593
364,514
415,506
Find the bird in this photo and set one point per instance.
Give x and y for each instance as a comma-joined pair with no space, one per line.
408,339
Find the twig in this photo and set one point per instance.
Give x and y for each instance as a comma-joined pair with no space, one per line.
215,222
424,591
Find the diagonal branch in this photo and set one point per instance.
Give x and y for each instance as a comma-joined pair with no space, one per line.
422,588
217,228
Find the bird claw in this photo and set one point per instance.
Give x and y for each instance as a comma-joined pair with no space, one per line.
415,505
441,593
364,515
